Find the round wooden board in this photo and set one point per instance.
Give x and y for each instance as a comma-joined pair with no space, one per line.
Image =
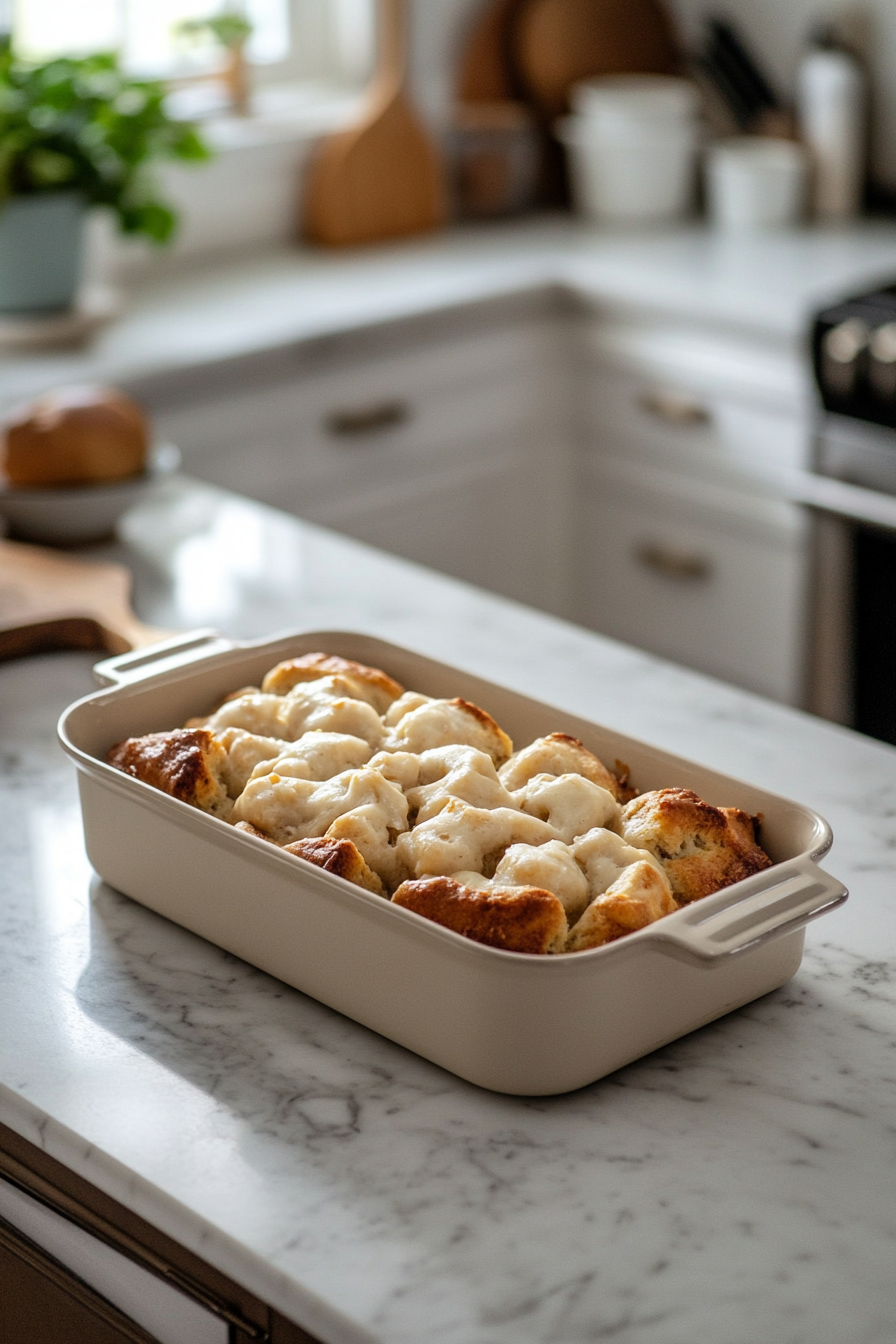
559,42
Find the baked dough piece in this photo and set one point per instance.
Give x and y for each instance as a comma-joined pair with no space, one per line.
455,772
315,755
551,866
638,897
252,711
557,754
516,919
367,683
467,839
287,808
329,705
442,723
399,767
357,805
570,804
245,751
325,705
186,763
340,857
701,848
336,856
403,705
603,857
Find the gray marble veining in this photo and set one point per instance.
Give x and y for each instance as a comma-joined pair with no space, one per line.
739,1185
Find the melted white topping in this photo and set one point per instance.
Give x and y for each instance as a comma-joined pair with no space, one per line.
605,856
570,804
459,838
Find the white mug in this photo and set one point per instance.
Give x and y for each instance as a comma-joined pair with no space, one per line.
755,183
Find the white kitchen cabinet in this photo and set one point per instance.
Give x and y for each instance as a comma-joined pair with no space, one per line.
621,469
696,573
451,451
685,543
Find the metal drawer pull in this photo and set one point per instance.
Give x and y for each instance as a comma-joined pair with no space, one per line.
368,419
675,408
672,563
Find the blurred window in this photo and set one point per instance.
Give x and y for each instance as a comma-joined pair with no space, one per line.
320,40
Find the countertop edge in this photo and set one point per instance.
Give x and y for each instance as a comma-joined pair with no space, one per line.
175,1220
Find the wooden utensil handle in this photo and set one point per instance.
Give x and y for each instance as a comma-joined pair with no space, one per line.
392,56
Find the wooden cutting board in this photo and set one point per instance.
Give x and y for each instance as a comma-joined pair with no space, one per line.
382,178
485,73
50,602
556,43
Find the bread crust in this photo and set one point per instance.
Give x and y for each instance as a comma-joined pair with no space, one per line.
701,848
187,763
76,436
557,754
516,919
381,688
341,857
640,896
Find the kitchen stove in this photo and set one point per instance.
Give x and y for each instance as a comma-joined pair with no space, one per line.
854,356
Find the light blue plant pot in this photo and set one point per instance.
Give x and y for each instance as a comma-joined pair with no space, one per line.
41,245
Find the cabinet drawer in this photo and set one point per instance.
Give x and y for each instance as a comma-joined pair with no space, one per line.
498,523
667,423
296,440
705,579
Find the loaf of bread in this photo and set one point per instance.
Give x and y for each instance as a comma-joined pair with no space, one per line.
75,436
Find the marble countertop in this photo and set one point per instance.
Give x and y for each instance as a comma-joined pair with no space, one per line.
738,1185
767,284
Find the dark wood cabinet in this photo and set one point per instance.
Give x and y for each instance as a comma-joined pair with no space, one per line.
43,1302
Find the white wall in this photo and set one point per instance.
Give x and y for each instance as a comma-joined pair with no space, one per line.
776,29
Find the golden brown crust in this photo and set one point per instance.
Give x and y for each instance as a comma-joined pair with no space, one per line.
186,763
341,857
382,688
517,919
638,898
558,754
248,829
76,436
702,848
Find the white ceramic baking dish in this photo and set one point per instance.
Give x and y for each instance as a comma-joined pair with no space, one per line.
513,1023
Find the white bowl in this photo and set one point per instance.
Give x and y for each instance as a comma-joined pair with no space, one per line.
81,513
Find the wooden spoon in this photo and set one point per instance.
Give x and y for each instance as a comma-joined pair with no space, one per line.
382,178
559,42
50,602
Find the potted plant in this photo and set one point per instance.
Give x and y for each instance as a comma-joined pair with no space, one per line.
76,133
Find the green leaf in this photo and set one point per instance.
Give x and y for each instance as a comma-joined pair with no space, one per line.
84,124
48,168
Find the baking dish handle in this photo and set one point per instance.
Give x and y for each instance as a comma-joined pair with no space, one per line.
179,651
753,912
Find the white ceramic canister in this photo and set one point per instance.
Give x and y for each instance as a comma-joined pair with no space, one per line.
621,100
755,183
643,175
832,108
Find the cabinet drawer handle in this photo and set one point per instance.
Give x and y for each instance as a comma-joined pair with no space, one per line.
674,564
357,420
675,408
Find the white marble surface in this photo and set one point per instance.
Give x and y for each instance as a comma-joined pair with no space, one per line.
736,1186
769,283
